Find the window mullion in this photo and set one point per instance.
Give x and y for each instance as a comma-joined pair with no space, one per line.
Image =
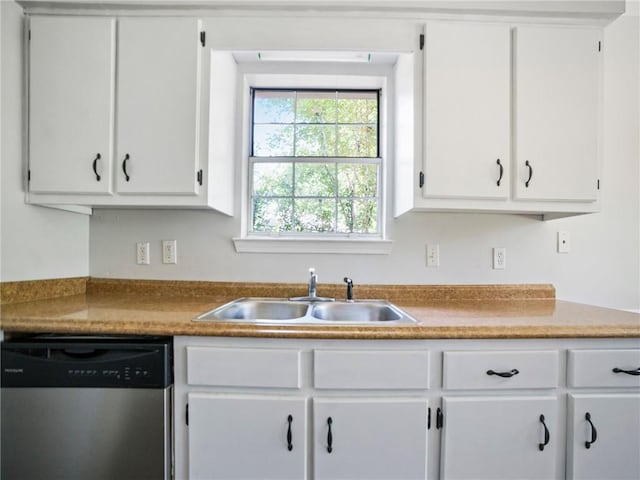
293,195
293,179
335,148
335,229
295,123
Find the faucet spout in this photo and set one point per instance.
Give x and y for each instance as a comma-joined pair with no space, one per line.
313,282
313,291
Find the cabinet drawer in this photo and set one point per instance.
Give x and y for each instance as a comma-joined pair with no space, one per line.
500,370
595,368
243,367
371,369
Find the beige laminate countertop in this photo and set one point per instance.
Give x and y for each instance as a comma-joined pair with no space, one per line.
142,312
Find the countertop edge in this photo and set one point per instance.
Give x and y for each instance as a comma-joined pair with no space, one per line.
342,333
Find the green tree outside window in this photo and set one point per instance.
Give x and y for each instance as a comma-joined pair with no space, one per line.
315,162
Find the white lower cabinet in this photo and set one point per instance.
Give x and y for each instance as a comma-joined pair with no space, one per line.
316,409
369,438
262,437
257,437
499,437
603,436
603,422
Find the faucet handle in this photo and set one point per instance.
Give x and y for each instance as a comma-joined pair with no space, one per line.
312,271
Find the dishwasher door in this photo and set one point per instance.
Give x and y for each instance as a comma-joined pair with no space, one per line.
85,407
85,433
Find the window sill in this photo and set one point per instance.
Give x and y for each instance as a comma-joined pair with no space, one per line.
326,245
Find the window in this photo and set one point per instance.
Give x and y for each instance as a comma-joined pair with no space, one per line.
315,164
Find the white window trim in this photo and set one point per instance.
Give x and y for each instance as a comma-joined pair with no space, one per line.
247,242
255,244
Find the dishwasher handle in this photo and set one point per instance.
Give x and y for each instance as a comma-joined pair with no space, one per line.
81,353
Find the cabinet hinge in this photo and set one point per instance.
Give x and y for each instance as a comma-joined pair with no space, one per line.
439,418
429,418
421,179
199,177
202,38
598,184
599,46
422,41
186,415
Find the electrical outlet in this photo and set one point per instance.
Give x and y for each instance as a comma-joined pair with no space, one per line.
169,252
142,253
433,255
564,242
499,258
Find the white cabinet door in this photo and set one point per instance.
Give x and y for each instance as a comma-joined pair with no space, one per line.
247,437
370,438
71,76
467,111
158,105
604,436
499,437
557,96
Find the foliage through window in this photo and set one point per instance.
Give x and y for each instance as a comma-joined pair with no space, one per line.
315,162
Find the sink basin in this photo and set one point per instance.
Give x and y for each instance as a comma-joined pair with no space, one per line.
357,312
257,309
284,311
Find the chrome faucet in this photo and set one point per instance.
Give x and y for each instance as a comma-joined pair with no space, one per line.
313,291
313,281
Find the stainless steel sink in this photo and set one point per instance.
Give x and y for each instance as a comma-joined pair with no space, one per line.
272,310
257,309
357,312
284,311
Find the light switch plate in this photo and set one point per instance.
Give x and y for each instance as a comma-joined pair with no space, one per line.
433,255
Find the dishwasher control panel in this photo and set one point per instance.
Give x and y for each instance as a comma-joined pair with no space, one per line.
126,373
139,362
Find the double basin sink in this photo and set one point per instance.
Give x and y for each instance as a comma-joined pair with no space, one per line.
286,311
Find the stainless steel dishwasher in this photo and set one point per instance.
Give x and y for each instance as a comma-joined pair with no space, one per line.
86,408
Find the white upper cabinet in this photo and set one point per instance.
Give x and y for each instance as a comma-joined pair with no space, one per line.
511,120
158,105
557,95
119,113
467,110
71,104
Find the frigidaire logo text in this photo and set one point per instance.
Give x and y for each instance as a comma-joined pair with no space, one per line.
13,370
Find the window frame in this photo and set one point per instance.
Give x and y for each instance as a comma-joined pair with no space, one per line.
331,159
318,79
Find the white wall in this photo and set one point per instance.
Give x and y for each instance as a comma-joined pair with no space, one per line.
603,267
36,242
